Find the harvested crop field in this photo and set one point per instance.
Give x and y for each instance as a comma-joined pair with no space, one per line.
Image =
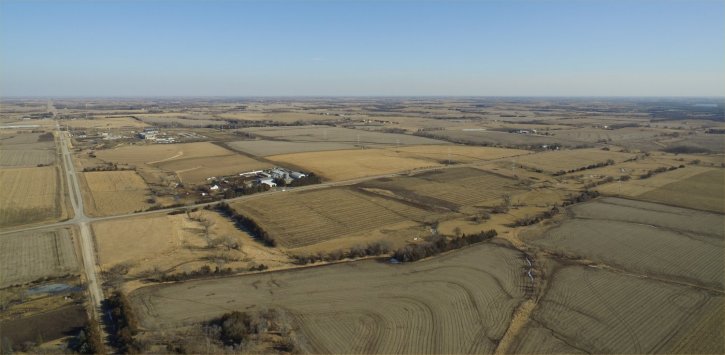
310,217
191,162
263,148
26,158
570,159
630,137
458,153
28,256
197,170
105,123
449,188
351,164
327,134
691,187
496,138
457,303
642,237
23,141
115,192
705,191
26,149
175,120
29,195
586,310
157,153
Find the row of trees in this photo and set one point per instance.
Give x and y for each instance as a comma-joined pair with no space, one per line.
373,249
439,245
661,169
590,166
88,340
247,223
584,196
529,220
122,323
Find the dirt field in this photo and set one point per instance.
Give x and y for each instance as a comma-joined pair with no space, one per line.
570,159
29,195
597,311
323,134
461,302
350,164
174,243
311,217
114,192
691,187
26,257
645,238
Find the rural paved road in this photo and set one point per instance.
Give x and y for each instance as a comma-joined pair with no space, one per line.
88,250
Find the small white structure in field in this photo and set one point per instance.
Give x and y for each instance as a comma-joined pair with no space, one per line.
268,181
215,187
297,175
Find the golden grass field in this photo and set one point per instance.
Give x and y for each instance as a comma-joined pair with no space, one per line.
29,195
114,192
174,243
29,256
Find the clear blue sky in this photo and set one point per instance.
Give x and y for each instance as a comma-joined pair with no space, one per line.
492,48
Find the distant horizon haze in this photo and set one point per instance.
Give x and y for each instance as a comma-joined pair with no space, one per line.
194,49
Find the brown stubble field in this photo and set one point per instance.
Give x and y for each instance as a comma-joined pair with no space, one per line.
189,162
461,302
29,256
303,219
615,268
